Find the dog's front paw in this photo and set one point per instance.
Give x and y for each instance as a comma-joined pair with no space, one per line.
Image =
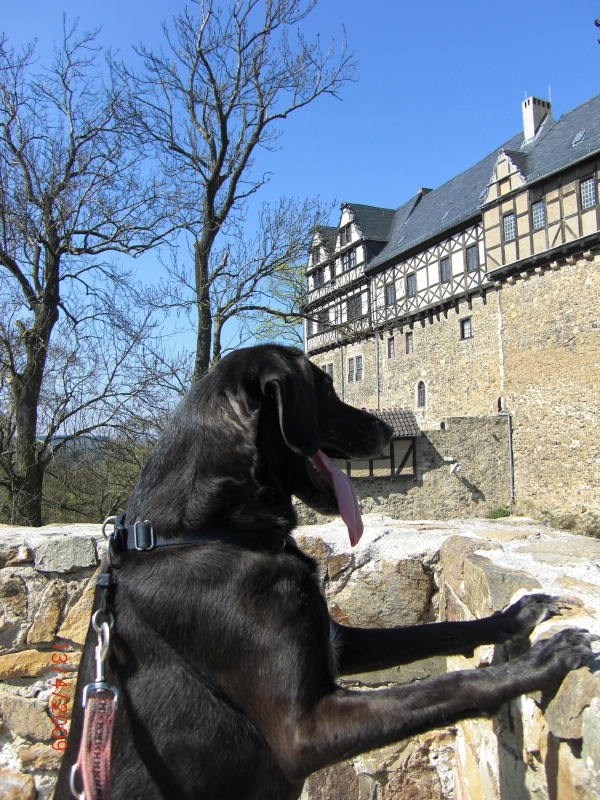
553,658
518,620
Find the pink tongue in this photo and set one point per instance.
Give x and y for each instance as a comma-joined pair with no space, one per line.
344,492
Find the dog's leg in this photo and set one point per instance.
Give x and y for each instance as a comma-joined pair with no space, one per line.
344,723
367,649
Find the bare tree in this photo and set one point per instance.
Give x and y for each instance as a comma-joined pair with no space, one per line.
71,191
207,101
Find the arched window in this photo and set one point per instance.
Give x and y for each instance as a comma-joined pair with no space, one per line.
420,395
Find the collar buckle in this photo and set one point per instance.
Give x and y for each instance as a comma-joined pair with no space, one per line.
143,535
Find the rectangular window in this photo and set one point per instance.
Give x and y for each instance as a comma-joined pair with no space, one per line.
472,258
411,285
350,370
445,270
538,215
588,193
466,331
390,294
359,369
328,368
345,235
391,347
352,259
315,255
409,343
354,307
318,277
510,228
322,320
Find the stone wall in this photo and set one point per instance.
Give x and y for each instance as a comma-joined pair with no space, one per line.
478,444
400,573
535,346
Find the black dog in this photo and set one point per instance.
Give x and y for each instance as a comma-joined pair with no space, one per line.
224,653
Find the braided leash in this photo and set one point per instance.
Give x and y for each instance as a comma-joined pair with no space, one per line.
99,701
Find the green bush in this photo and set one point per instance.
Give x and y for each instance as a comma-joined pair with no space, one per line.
498,513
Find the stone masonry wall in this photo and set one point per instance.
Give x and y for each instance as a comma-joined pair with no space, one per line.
535,346
478,444
400,573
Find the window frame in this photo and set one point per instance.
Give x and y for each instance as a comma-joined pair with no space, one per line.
472,265
350,369
389,293
411,284
358,370
320,272
345,234
408,337
464,323
391,347
354,300
421,394
538,204
505,217
591,182
445,275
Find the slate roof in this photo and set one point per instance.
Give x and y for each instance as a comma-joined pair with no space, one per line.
413,223
402,420
374,222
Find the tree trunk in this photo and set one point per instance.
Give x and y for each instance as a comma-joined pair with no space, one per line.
204,333
29,466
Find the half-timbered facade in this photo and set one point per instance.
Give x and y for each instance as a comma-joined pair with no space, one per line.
478,297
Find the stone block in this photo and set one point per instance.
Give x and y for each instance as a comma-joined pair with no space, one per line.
564,713
77,621
489,588
452,554
385,594
24,664
65,554
39,757
315,546
591,735
15,786
26,718
13,595
46,618
339,782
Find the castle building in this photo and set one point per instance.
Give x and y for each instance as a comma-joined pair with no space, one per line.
480,300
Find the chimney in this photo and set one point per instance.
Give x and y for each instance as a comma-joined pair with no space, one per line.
535,112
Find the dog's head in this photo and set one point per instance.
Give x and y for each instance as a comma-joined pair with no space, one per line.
263,425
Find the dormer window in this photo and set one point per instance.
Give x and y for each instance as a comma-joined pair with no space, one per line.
315,255
345,235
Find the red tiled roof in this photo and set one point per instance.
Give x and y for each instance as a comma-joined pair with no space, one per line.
402,420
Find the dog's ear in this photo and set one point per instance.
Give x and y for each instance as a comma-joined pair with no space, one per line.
294,394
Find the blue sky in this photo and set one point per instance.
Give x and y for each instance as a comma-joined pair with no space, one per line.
440,84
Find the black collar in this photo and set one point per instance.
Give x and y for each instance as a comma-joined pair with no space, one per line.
141,537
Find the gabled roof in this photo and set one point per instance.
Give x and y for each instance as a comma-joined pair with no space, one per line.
460,198
401,420
373,222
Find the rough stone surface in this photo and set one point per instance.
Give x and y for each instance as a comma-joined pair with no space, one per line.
39,757
401,572
77,621
16,786
67,554
24,664
564,714
26,718
46,619
393,593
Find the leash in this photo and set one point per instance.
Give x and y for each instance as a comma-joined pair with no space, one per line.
99,702
99,699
